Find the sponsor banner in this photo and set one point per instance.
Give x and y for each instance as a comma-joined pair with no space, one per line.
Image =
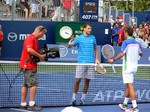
15,33
89,10
70,54
64,30
67,54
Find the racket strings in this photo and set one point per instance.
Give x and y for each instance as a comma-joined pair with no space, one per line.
107,52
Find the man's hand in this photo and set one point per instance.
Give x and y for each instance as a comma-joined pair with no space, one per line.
110,60
72,38
97,61
70,43
42,57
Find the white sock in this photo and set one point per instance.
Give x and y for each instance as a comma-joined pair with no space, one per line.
83,96
74,96
126,100
134,104
23,103
31,103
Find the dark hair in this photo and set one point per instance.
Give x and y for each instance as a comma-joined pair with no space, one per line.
87,24
115,24
129,30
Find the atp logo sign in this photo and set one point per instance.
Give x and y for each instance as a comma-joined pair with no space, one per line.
12,37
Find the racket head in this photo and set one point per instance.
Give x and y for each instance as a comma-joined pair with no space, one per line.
108,51
100,69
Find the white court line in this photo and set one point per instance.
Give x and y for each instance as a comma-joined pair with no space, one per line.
21,110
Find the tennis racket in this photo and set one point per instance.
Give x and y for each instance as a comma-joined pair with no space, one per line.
100,69
108,52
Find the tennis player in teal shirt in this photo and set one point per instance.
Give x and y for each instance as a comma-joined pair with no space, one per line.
87,53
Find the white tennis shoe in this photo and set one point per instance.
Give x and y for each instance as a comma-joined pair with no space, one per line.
123,107
132,110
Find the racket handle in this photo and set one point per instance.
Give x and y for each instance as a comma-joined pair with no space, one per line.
113,68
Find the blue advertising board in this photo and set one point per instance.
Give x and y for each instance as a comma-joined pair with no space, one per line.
15,33
68,54
145,59
101,31
88,10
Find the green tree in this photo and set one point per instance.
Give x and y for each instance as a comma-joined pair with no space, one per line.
139,5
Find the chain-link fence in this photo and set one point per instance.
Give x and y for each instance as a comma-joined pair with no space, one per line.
55,10
49,10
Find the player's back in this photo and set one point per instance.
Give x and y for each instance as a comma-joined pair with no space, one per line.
132,51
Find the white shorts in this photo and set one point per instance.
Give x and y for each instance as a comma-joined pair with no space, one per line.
128,77
85,71
34,8
9,2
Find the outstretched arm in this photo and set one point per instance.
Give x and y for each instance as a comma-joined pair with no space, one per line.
116,58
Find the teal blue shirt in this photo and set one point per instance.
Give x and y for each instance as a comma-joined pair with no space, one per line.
85,45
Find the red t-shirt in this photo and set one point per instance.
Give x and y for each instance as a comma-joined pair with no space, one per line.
145,31
67,4
30,42
1,36
121,33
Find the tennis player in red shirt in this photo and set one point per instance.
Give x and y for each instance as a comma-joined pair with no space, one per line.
31,48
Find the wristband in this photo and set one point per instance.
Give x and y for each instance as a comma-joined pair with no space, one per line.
114,59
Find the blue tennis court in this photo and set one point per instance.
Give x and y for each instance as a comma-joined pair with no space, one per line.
108,108
54,91
56,85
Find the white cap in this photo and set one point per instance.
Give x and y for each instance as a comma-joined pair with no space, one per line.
71,109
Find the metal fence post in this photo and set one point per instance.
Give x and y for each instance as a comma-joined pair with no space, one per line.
126,18
113,12
106,11
120,13
13,10
76,11
40,11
